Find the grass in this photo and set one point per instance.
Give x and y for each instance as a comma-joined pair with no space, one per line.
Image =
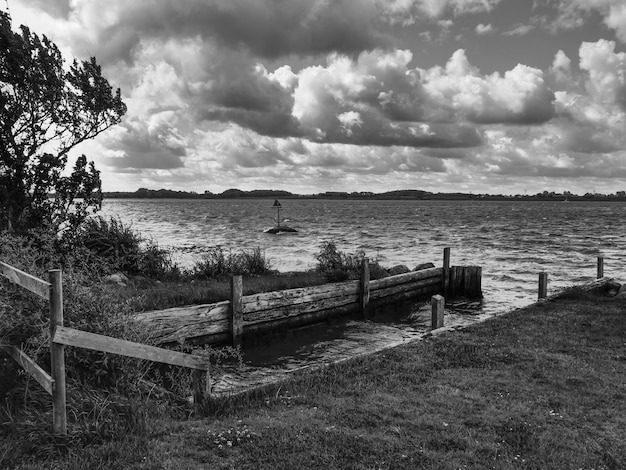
163,295
543,387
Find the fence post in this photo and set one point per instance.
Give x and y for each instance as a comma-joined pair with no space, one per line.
446,271
600,267
364,289
543,285
438,305
201,386
236,312
57,354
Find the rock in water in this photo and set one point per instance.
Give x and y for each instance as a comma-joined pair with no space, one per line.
399,269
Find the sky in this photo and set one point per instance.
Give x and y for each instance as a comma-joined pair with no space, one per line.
308,96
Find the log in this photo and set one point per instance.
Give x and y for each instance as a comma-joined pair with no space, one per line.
27,281
278,313
272,300
543,286
446,271
391,291
406,278
600,271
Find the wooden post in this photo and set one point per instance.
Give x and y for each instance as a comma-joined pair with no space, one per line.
364,289
453,282
600,267
446,271
201,386
236,311
438,305
57,354
543,285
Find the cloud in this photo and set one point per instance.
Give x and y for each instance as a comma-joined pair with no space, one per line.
482,29
607,71
572,14
139,144
519,30
520,96
561,67
410,11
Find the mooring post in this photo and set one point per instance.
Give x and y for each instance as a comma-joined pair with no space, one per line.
600,267
57,354
438,305
543,285
236,312
446,271
364,289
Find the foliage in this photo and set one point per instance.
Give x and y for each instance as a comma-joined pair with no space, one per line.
219,263
46,111
339,266
116,247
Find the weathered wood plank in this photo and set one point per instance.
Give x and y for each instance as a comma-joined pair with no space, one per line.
600,270
543,286
181,333
299,309
206,312
404,296
30,366
435,282
27,281
301,320
83,339
446,271
406,278
271,300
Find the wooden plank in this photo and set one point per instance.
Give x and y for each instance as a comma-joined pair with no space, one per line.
178,324
271,300
30,366
27,281
201,386
424,292
301,320
295,310
95,342
57,354
391,291
207,312
438,305
236,312
364,289
406,278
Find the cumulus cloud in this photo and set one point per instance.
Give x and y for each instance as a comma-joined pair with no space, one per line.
519,30
607,71
484,29
409,11
571,14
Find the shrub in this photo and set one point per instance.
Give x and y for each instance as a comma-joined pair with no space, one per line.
219,263
338,266
117,247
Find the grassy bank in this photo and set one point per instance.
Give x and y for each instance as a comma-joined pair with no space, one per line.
543,387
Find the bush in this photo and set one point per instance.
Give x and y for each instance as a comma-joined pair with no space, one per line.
219,263
338,266
116,247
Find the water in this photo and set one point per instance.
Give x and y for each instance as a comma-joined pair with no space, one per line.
513,241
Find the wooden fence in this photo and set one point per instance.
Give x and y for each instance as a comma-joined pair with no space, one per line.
231,320
61,336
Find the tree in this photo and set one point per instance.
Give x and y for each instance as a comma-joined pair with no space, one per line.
46,111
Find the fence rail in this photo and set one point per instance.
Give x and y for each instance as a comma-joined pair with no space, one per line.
60,336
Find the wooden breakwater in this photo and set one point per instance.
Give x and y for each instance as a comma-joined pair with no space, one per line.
232,320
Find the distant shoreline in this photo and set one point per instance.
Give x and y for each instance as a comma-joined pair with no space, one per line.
408,195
